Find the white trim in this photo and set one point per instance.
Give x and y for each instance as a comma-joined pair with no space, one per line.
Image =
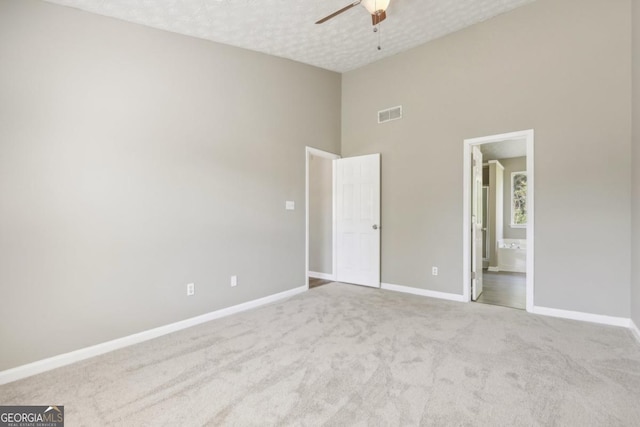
530,221
423,292
334,222
323,276
309,151
528,136
634,329
494,269
585,317
54,362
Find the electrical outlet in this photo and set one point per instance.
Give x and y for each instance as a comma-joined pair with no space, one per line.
434,271
234,281
191,289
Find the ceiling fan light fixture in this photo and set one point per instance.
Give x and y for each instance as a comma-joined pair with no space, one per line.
375,6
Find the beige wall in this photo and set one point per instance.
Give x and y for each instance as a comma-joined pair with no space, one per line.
517,164
320,215
635,284
561,67
134,161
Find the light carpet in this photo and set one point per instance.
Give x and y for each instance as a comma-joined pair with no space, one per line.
342,355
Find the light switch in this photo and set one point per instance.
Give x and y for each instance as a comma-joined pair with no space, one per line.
290,205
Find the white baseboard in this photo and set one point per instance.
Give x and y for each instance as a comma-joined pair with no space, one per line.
323,276
634,330
585,317
422,292
494,269
50,363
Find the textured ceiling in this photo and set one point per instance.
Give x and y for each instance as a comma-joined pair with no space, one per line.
504,149
286,28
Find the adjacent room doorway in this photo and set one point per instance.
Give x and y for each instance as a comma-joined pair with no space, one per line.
498,251
320,208
346,236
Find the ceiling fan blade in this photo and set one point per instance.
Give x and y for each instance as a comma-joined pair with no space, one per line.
334,14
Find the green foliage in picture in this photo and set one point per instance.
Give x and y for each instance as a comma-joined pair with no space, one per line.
519,199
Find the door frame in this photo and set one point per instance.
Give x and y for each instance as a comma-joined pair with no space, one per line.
528,136
309,151
477,202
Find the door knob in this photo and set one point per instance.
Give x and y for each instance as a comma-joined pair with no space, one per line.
375,226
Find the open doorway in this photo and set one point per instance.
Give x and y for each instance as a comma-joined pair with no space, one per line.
342,219
320,217
498,212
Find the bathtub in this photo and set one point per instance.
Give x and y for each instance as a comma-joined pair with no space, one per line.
512,255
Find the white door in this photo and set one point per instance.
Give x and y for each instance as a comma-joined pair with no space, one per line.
358,220
476,225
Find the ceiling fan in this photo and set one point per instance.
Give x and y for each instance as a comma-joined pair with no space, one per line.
377,9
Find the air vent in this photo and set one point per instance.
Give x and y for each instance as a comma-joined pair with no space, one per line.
390,114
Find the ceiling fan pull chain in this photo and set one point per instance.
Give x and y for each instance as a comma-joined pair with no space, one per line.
379,27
